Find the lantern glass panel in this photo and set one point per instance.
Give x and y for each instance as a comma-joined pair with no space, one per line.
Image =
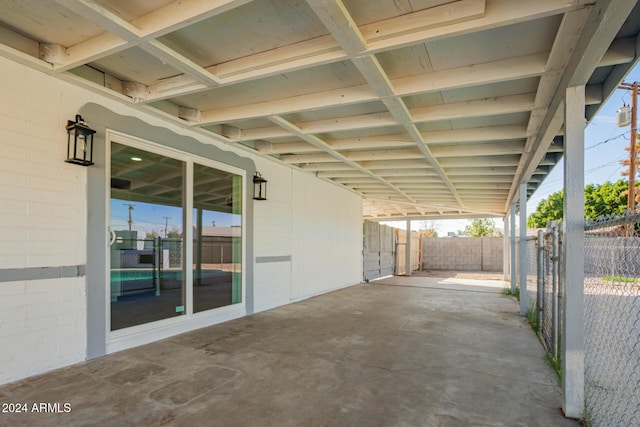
79,144
259,187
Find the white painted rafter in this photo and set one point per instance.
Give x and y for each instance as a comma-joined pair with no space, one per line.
134,36
438,122
314,140
459,77
477,108
472,141
180,62
125,35
427,205
104,17
456,18
598,31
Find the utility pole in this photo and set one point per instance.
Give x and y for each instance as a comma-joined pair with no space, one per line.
166,225
631,198
130,222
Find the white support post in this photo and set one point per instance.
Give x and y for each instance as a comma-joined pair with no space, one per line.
512,222
572,348
408,249
505,249
524,301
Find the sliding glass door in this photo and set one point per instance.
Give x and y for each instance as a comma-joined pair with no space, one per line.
151,193
217,238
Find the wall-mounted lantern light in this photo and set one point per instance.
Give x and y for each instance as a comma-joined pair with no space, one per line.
259,187
79,142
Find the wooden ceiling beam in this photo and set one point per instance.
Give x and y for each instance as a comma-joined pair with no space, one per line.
417,27
481,161
457,173
598,31
130,34
477,108
496,149
180,62
313,140
470,75
356,156
167,19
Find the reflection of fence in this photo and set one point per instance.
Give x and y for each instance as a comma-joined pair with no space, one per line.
146,264
612,321
214,249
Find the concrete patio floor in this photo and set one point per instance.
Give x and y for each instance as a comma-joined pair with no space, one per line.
414,351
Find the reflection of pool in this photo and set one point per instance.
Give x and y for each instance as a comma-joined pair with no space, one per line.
126,275
148,279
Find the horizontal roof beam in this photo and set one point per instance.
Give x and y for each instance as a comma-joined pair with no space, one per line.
470,75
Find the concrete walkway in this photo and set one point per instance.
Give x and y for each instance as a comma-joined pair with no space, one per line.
417,351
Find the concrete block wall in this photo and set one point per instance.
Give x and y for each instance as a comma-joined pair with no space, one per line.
463,253
492,253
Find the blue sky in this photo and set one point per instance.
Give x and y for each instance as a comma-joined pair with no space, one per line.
604,147
147,217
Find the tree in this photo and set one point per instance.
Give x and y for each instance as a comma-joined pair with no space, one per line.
549,209
481,227
174,233
427,229
599,199
605,199
151,234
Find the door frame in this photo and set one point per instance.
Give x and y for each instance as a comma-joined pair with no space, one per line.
149,332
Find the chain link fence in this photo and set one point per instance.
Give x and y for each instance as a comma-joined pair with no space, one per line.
612,321
134,264
142,265
548,301
611,312
531,270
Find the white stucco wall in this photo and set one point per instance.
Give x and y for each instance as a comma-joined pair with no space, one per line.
43,216
325,225
317,225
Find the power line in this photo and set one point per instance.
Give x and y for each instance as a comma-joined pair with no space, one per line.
587,172
605,141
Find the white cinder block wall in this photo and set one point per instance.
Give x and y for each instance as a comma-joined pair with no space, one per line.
314,224
42,212
308,233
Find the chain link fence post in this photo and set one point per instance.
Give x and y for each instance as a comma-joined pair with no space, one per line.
540,277
555,247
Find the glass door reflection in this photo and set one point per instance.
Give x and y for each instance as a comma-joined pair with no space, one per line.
146,215
217,238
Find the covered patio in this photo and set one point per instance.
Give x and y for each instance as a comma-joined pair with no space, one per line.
398,351
351,110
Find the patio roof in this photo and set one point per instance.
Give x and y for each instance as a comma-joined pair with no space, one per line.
426,108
